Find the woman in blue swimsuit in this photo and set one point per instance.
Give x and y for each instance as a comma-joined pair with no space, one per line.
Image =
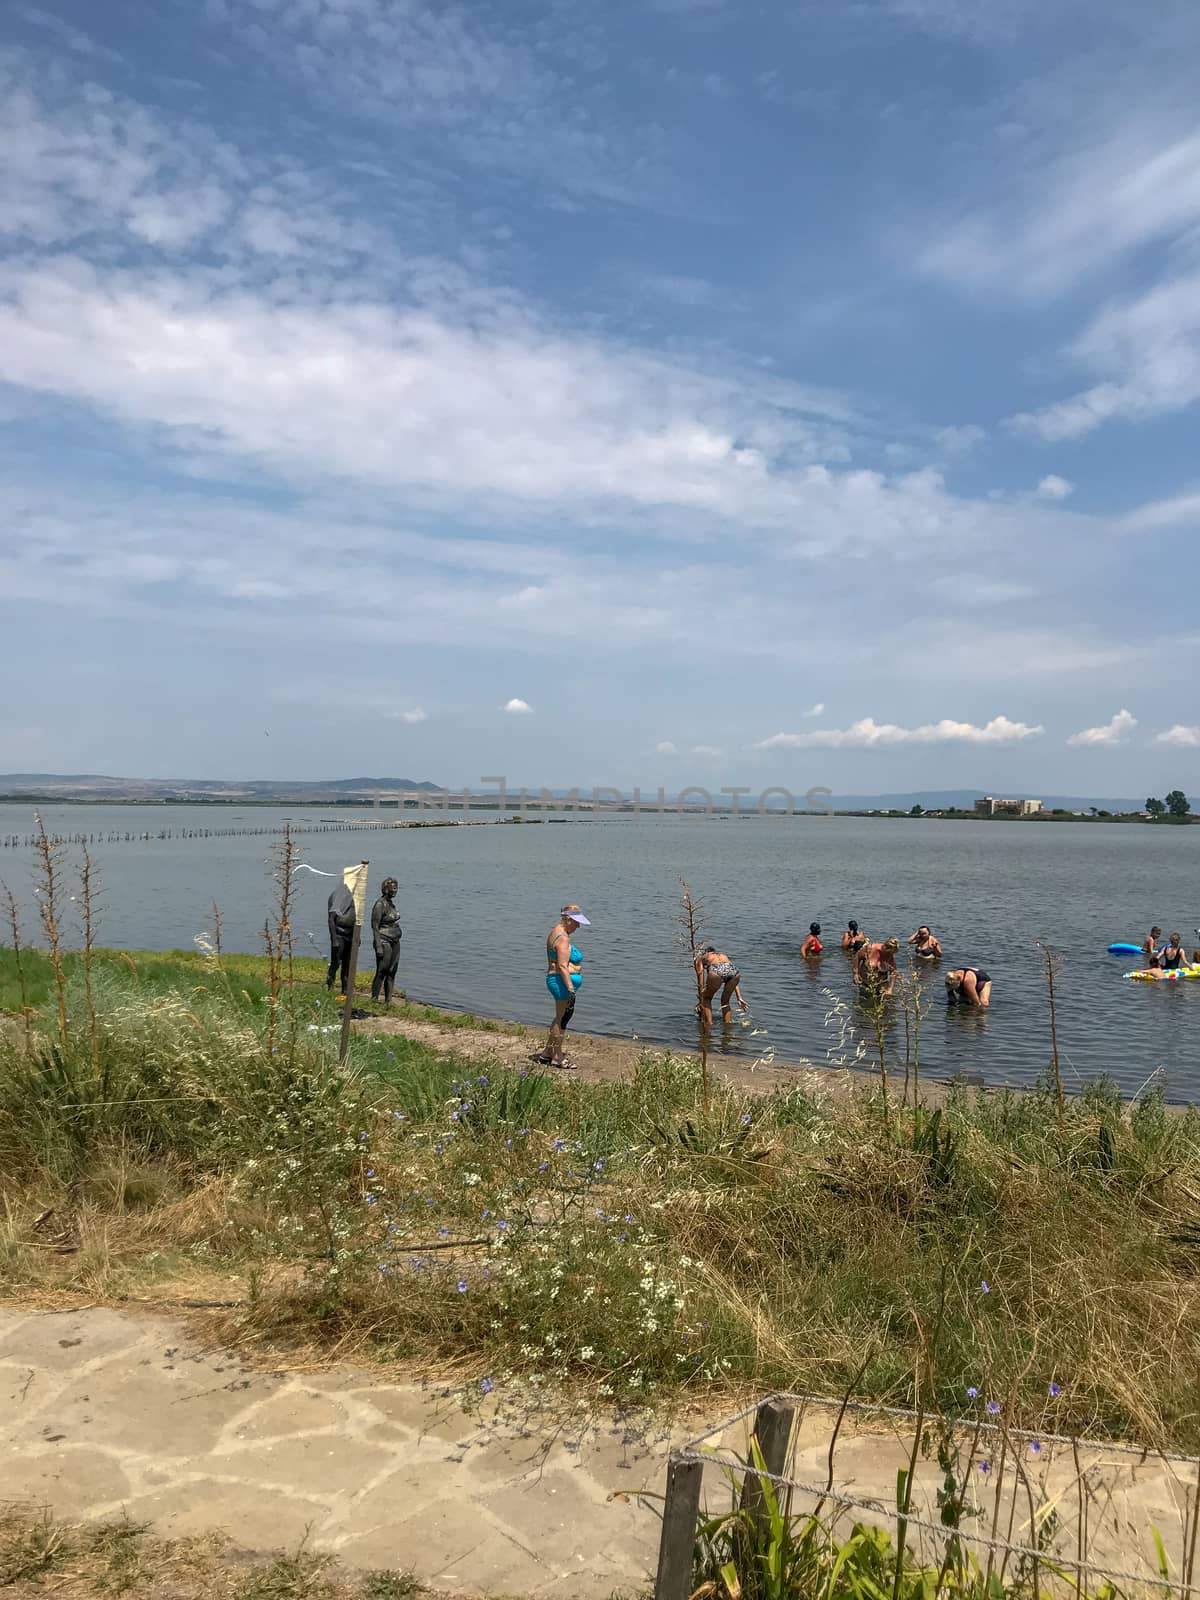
563,979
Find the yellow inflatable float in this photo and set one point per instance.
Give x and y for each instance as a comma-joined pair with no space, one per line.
1157,975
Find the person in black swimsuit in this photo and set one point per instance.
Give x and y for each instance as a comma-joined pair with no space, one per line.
1172,956
968,986
385,931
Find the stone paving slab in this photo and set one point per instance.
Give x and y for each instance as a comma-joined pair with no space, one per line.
104,1413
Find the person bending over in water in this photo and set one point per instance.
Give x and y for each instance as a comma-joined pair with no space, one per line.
1150,951
715,971
812,946
563,979
1172,956
877,969
968,986
924,944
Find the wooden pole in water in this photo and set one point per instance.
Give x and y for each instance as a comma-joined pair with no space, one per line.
355,940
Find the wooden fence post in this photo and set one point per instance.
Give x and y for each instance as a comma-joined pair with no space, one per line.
680,1510
773,1430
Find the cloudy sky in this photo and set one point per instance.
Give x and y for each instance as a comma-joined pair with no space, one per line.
726,391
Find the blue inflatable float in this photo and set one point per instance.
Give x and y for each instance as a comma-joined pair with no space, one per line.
1124,949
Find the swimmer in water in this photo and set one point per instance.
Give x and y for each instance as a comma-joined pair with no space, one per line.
877,969
925,945
854,942
716,972
812,946
968,986
1150,949
1172,956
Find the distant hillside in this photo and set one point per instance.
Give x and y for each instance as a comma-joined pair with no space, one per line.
94,786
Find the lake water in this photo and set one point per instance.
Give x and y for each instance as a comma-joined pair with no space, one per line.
477,902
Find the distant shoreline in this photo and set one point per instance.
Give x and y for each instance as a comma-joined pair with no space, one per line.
427,806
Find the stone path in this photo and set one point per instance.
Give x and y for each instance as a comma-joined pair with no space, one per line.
103,1413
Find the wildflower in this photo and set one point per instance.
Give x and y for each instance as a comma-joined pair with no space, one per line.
587,1353
391,1055
470,1178
362,1138
985,1467
443,1233
370,1172
560,1144
542,1165
598,1164
383,1267
502,1224
462,1286
1035,1447
371,1199
747,1119
1054,1391
993,1408
985,1287
972,1393
486,1386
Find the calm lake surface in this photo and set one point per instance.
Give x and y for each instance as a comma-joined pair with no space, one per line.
476,904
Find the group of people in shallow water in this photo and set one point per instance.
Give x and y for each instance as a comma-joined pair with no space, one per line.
719,982
1169,957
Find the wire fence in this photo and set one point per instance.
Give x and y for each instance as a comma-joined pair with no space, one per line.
965,1500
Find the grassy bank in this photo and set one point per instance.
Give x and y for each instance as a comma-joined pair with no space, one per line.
184,1136
243,980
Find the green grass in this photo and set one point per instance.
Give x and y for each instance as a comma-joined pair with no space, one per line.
243,979
627,1240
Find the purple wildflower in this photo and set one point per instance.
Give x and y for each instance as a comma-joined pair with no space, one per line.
747,1119
986,1287
462,1286
486,1386
1054,1391
1035,1447
993,1408
985,1467
972,1393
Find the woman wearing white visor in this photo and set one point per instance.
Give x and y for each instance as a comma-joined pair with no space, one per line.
563,978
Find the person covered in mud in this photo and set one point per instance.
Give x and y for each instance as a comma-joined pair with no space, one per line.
341,937
386,934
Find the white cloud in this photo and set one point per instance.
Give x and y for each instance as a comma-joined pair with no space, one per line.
414,716
520,708
817,710
1052,487
1181,511
1099,199
707,750
1182,736
959,441
868,734
666,748
1146,351
1114,732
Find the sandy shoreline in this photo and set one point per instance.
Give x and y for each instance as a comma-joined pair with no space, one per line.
601,1059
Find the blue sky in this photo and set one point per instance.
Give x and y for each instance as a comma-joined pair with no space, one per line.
662,391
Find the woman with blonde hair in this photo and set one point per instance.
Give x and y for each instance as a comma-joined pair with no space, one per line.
564,977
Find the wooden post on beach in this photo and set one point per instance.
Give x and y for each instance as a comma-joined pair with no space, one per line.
676,1546
773,1430
355,941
